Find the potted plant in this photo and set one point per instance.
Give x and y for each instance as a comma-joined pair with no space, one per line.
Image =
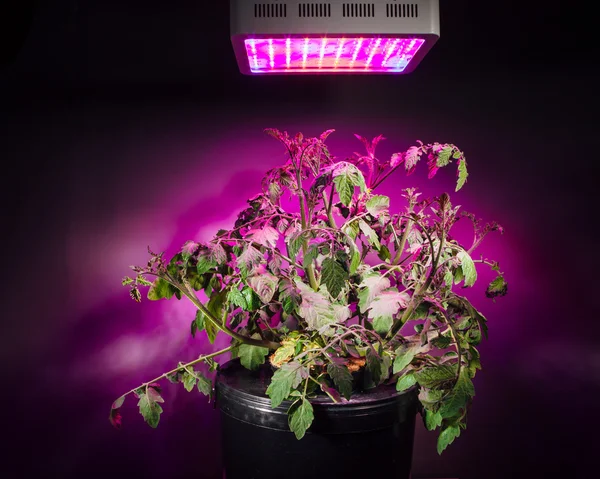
339,298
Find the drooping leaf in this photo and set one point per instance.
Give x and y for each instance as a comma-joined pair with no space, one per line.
354,258
405,382
252,357
334,276
252,300
404,355
189,381
462,173
204,385
377,204
149,406
199,323
384,253
374,365
498,287
115,417
446,437
411,158
341,378
384,307
300,417
344,189
458,399
160,289
432,419
468,268
264,285
444,155
430,377
285,379
371,286
346,176
370,234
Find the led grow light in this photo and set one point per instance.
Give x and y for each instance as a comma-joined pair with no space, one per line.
300,37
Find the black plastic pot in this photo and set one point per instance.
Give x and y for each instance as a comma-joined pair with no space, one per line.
369,436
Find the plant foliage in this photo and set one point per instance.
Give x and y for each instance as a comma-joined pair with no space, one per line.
345,283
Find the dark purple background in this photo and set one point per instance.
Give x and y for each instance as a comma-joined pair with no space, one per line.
126,124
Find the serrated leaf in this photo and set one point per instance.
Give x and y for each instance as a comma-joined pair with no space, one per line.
498,287
458,399
377,204
160,289
384,254
236,298
462,173
334,276
264,285
468,268
432,419
252,357
384,307
318,312
370,234
294,243
149,406
448,278
342,378
127,280
289,296
189,381
135,294
267,236
345,177
205,263
250,258
432,376
370,287
446,437
311,254
204,385
285,379
405,382
252,300
283,353
411,158
404,356
374,364
443,157
198,324
301,417
344,188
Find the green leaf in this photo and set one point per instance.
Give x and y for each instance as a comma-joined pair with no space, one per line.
382,324
264,285
446,437
286,378
252,300
334,276
204,384
498,287
127,280
342,378
311,254
458,275
370,234
371,287
205,263
352,229
354,260
404,356
344,189
468,268
150,408
160,289
295,243
460,396
432,419
300,417
432,376
198,324
374,364
377,204
283,353
189,381
289,296
405,382
462,173
443,157
236,298
252,357
384,254
448,278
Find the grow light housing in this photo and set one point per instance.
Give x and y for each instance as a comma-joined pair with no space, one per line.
335,36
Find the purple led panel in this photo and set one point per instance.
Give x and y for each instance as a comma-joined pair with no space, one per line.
331,54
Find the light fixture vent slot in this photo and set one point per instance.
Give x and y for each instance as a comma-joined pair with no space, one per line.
358,10
314,10
402,10
269,10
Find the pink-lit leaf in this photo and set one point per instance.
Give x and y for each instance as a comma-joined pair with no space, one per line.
149,406
331,392
384,307
396,159
498,287
325,134
266,236
377,204
250,258
411,158
289,296
264,285
115,417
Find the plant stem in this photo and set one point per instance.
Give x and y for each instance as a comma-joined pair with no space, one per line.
310,270
181,366
328,203
400,249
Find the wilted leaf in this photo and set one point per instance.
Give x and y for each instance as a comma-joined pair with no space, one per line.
446,437
468,268
300,417
498,287
285,379
341,378
377,204
149,406
334,276
266,236
264,285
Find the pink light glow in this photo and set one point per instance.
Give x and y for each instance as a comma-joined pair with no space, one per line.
331,54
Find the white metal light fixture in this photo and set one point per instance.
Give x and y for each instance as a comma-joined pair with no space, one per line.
335,36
